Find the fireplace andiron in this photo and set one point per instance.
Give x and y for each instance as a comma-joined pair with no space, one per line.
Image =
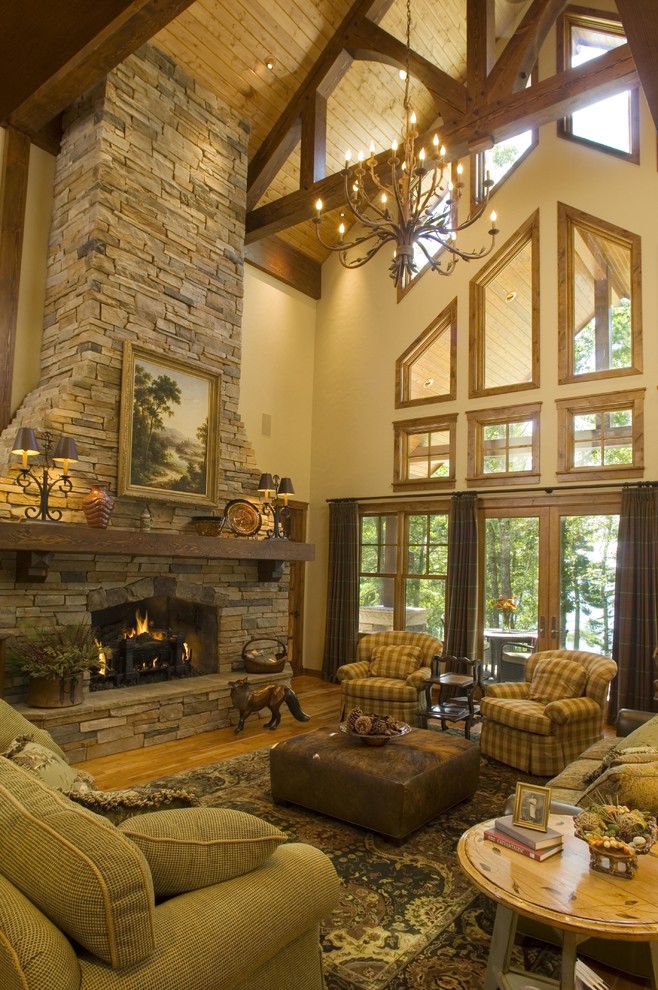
248,699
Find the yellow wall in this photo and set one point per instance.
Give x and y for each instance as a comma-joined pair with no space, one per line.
33,273
361,330
278,346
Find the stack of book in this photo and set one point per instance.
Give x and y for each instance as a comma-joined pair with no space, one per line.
528,841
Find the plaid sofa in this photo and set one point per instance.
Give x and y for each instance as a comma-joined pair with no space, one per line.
389,675
541,737
189,899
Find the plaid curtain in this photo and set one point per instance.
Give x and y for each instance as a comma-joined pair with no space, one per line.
342,624
635,634
462,583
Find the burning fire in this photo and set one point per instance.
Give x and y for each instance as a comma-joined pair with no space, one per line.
142,627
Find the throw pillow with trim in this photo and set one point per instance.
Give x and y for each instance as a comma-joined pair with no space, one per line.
77,868
196,847
395,661
116,806
555,679
45,764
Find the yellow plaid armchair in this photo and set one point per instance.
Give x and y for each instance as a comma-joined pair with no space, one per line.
389,675
541,724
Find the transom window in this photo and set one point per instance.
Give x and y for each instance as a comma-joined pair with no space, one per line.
425,453
503,445
600,313
611,124
402,582
504,318
601,435
426,371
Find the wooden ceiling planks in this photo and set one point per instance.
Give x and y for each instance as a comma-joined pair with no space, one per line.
224,44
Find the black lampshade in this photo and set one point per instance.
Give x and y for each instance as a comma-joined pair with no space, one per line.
25,442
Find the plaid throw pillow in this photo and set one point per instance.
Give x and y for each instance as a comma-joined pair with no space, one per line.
395,661
555,679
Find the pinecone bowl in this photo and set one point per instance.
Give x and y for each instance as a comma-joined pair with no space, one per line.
372,729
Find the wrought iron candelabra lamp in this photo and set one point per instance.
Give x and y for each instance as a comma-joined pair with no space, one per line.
276,505
65,452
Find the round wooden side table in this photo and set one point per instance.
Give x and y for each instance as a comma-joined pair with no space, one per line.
562,892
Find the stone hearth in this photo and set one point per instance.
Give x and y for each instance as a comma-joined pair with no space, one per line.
116,721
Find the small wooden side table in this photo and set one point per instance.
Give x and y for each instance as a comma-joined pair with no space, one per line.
562,892
456,696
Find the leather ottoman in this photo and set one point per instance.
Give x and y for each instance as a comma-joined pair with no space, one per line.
392,789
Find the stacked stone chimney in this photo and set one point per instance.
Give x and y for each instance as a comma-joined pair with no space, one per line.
146,247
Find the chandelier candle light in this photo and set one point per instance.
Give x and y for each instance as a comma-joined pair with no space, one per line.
425,204
277,507
26,445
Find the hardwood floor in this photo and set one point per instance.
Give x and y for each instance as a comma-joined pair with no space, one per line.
318,699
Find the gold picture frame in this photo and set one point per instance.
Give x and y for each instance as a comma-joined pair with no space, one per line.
532,806
169,425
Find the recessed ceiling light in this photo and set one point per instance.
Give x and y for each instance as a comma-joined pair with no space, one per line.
269,62
510,297
428,383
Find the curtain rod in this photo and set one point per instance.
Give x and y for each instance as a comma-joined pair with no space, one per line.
509,490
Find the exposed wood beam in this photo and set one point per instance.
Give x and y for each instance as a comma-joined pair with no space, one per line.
119,38
552,98
288,265
555,97
640,20
518,58
480,47
313,162
13,183
272,153
368,42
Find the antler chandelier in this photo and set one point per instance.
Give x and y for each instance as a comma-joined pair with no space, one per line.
425,204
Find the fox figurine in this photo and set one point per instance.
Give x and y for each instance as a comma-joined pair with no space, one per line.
248,699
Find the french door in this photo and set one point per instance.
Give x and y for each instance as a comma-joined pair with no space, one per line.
548,573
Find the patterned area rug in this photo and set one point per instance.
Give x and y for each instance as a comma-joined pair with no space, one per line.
408,918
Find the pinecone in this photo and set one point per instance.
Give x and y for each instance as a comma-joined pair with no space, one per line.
363,725
353,716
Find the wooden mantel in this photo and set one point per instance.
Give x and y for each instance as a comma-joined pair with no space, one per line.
35,542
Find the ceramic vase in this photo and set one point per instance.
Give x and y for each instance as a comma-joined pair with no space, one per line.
97,506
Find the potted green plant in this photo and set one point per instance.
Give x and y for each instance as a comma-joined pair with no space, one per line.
55,658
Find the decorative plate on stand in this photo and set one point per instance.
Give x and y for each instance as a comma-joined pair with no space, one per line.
243,517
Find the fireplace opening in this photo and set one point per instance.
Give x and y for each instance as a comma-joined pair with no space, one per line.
154,639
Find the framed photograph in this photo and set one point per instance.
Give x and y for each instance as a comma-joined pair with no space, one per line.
168,448
532,806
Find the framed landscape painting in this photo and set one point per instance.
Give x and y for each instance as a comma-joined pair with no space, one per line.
168,430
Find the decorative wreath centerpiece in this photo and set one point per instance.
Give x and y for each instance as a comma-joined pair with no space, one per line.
616,835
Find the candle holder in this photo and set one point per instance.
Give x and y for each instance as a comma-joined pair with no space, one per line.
277,506
28,475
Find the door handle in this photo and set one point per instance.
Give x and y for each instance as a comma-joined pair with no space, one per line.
553,627
542,627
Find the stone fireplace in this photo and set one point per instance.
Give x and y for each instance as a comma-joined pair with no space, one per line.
146,247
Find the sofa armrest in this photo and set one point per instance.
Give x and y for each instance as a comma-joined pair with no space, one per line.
571,710
508,689
629,719
260,912
352,671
